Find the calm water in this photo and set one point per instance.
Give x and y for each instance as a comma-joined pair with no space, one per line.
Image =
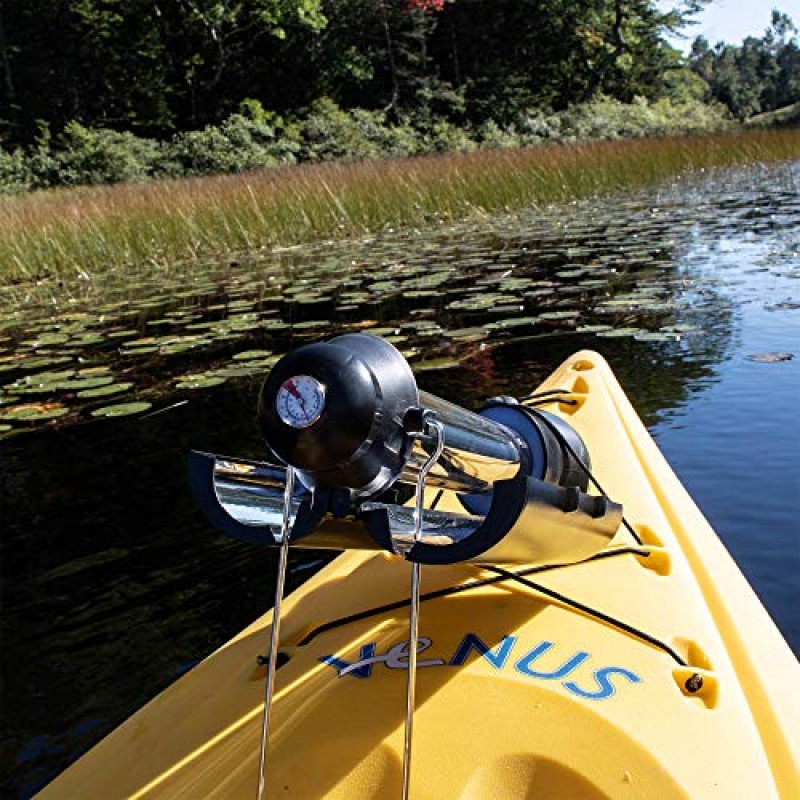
113,585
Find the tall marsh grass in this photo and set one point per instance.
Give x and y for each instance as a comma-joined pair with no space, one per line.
70,237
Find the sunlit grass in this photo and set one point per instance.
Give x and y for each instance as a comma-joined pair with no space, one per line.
71,236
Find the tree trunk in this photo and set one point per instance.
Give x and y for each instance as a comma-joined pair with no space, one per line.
454,53
620,46
390,109
4,56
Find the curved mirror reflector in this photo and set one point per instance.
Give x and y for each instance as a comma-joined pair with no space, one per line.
252,493
439,528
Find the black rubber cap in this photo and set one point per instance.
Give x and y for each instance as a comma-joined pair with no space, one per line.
347,417
358,442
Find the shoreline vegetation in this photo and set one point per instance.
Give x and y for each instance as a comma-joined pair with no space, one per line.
60,243
138,138
255,138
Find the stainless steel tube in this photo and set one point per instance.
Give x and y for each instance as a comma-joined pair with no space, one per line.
477,451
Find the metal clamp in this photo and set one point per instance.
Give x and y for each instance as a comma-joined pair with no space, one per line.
269,685
413,612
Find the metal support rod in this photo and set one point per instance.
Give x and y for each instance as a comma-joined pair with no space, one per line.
413,612
275,631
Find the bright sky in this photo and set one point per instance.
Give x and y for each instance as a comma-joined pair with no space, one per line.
733,20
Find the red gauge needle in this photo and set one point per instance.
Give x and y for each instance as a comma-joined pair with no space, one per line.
296,394
293,389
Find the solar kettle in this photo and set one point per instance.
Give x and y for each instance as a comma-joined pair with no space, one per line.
365,460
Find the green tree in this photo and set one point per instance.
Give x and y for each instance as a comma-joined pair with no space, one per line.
157,67
145,65
516,54
223,51
100,63
761,74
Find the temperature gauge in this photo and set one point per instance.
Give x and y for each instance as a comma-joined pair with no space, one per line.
300,401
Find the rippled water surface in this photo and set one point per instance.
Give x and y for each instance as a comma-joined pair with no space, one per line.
113,585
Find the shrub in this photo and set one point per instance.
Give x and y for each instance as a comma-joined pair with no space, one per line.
390,140
252,138
493,136
443,136
535,125
84,155
15,173
205,152
329,133
605,118
692,116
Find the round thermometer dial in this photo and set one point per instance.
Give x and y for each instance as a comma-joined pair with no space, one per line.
300,401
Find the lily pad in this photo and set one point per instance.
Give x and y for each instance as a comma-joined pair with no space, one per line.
657,336
312,325
47,377
616,333
79,384
435,364
33,412
86,339
200,382
50,339
178,347
251,355
571,273
43,363
28,389
466,334
122,334
558,316
238,370
105,391
259,363
384,331
770,358
513,322
122,409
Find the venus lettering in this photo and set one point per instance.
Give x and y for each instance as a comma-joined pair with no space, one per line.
542,662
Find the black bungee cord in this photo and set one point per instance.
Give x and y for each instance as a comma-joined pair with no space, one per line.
593,612
568,447
501,574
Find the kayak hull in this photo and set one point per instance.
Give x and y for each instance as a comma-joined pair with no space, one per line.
519,693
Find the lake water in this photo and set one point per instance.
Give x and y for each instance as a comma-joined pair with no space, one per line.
114,585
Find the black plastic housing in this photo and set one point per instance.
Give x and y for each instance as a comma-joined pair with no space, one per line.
358,443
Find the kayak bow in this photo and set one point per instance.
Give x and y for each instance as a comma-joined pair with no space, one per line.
635,661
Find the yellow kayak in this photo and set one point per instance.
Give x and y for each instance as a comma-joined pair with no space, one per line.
648,670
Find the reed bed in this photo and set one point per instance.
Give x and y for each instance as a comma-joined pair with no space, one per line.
70,237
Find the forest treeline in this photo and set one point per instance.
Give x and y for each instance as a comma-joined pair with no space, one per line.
107,90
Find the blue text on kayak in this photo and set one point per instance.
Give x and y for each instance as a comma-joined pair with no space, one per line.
590,684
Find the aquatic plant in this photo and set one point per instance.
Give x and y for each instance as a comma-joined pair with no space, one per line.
67,240
596,271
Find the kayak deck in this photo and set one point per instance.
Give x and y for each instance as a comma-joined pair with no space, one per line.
519,694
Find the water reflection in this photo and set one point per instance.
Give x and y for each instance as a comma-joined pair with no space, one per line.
113,584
